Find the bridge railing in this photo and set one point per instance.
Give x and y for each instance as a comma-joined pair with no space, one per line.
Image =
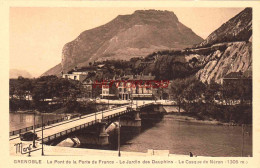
71,117
82,126
68,131
73,129
22,130
117,114
145,105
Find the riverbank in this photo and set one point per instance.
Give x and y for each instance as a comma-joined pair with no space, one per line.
38,113
186,118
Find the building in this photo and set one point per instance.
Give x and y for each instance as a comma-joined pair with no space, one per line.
233,78
88,88
239,85
105,90
80,76
129,87
136,87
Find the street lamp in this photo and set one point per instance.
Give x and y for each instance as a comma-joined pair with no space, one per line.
42,136
102,113
108,101
131,102
131,98
95,108
119,154
34,129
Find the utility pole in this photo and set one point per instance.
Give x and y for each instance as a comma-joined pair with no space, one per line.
242,151
132,98
131,102
119,154
95,108
108,102
42,136
102,113
34,130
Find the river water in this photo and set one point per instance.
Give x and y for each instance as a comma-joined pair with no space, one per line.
21,120
179,137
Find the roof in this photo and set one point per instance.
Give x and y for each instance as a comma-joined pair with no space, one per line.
139,77
246,74
87,81
234,75
101,65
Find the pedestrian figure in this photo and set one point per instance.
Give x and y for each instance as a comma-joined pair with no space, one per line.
191,155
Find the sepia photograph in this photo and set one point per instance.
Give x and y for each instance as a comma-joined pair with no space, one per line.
130,82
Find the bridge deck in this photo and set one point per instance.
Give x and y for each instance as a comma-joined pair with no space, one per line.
76,123
62,128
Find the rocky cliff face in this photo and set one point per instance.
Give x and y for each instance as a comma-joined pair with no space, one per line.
238,28
236,36
228,49
236,57
128,36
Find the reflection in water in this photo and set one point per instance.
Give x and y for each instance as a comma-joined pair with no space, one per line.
19,120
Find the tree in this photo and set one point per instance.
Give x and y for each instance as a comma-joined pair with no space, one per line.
177,89
19,92
56,89
194,90
212,92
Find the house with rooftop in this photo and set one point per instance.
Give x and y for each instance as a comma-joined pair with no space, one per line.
233,78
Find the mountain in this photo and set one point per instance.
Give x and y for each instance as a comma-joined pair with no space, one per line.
56,70
227,49
128,36
238,28
236,38
15,73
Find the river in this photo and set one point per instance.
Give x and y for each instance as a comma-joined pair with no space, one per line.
22,120
179,137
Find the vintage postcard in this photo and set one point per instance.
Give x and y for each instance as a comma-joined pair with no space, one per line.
130,84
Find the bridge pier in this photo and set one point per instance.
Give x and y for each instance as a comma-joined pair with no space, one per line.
135,122
103,136
132,124
158,109
95,136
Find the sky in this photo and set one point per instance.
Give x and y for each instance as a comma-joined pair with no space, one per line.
38,34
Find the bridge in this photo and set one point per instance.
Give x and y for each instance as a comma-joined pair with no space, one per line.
99,120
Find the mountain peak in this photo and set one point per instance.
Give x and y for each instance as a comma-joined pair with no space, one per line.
150,16
128,36
158,14
153,11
